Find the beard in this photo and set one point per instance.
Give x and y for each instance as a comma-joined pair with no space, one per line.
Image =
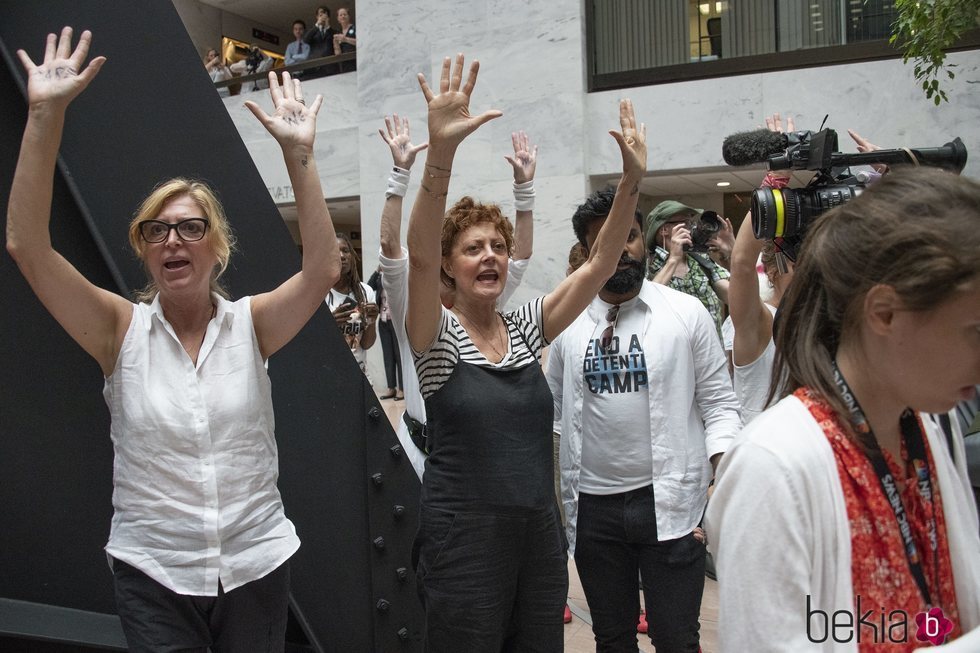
628,279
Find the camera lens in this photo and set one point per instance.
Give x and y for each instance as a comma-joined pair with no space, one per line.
785,213
775,213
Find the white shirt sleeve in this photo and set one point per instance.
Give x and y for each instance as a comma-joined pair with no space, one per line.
369,295
713,390
394,279
762,597
555,373
728,333
515,274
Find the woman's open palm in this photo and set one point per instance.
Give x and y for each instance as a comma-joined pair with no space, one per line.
60,77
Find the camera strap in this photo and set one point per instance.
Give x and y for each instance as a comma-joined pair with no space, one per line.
707,265
915,446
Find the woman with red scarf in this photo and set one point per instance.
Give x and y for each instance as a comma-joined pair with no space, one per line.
842,518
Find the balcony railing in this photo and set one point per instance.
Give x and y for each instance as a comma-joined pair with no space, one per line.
334,64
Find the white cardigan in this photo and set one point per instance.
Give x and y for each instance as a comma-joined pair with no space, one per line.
778,528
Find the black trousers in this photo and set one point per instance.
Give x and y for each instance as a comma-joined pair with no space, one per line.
491,582
616,540
389,348
156,619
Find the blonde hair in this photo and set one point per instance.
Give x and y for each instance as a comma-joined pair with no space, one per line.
917,231
219,236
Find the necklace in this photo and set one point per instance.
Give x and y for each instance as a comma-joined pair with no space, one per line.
482,333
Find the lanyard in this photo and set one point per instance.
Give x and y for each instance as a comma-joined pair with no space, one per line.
915,446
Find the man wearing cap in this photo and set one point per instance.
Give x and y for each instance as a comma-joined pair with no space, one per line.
667,232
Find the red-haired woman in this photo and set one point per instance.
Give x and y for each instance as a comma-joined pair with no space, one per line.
491,559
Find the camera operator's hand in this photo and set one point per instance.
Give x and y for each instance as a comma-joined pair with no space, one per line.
863,145
723,242
680,236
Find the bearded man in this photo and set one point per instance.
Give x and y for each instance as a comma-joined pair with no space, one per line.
646,404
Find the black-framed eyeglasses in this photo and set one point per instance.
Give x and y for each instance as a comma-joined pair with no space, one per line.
606,338
189,229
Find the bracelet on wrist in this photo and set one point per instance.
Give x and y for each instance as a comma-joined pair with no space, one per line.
434,193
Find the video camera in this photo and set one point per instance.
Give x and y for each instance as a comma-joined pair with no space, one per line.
783,215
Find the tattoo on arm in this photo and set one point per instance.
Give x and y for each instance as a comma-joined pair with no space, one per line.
636,189
305,161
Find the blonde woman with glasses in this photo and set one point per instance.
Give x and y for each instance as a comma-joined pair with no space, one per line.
199,543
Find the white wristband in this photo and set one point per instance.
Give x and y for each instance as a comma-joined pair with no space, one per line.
524,196
397,182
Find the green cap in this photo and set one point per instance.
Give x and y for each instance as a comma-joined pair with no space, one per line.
660,215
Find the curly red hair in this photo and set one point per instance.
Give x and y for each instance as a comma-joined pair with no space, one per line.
464,214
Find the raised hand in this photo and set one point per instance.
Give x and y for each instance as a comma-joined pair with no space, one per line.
399,140
632,140
864,145
61,77
774,123
449,111
724,241
292,124
525,157
680,238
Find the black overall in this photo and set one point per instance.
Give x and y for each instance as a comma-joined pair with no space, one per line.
490,552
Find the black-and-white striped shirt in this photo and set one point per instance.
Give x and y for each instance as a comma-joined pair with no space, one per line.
452,344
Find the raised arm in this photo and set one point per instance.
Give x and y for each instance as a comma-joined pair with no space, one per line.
574,293
450,123
278,315
398,138
95,318
750,317
524,162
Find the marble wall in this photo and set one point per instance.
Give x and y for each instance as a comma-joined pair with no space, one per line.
532,68
337,142
880,100
530,57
